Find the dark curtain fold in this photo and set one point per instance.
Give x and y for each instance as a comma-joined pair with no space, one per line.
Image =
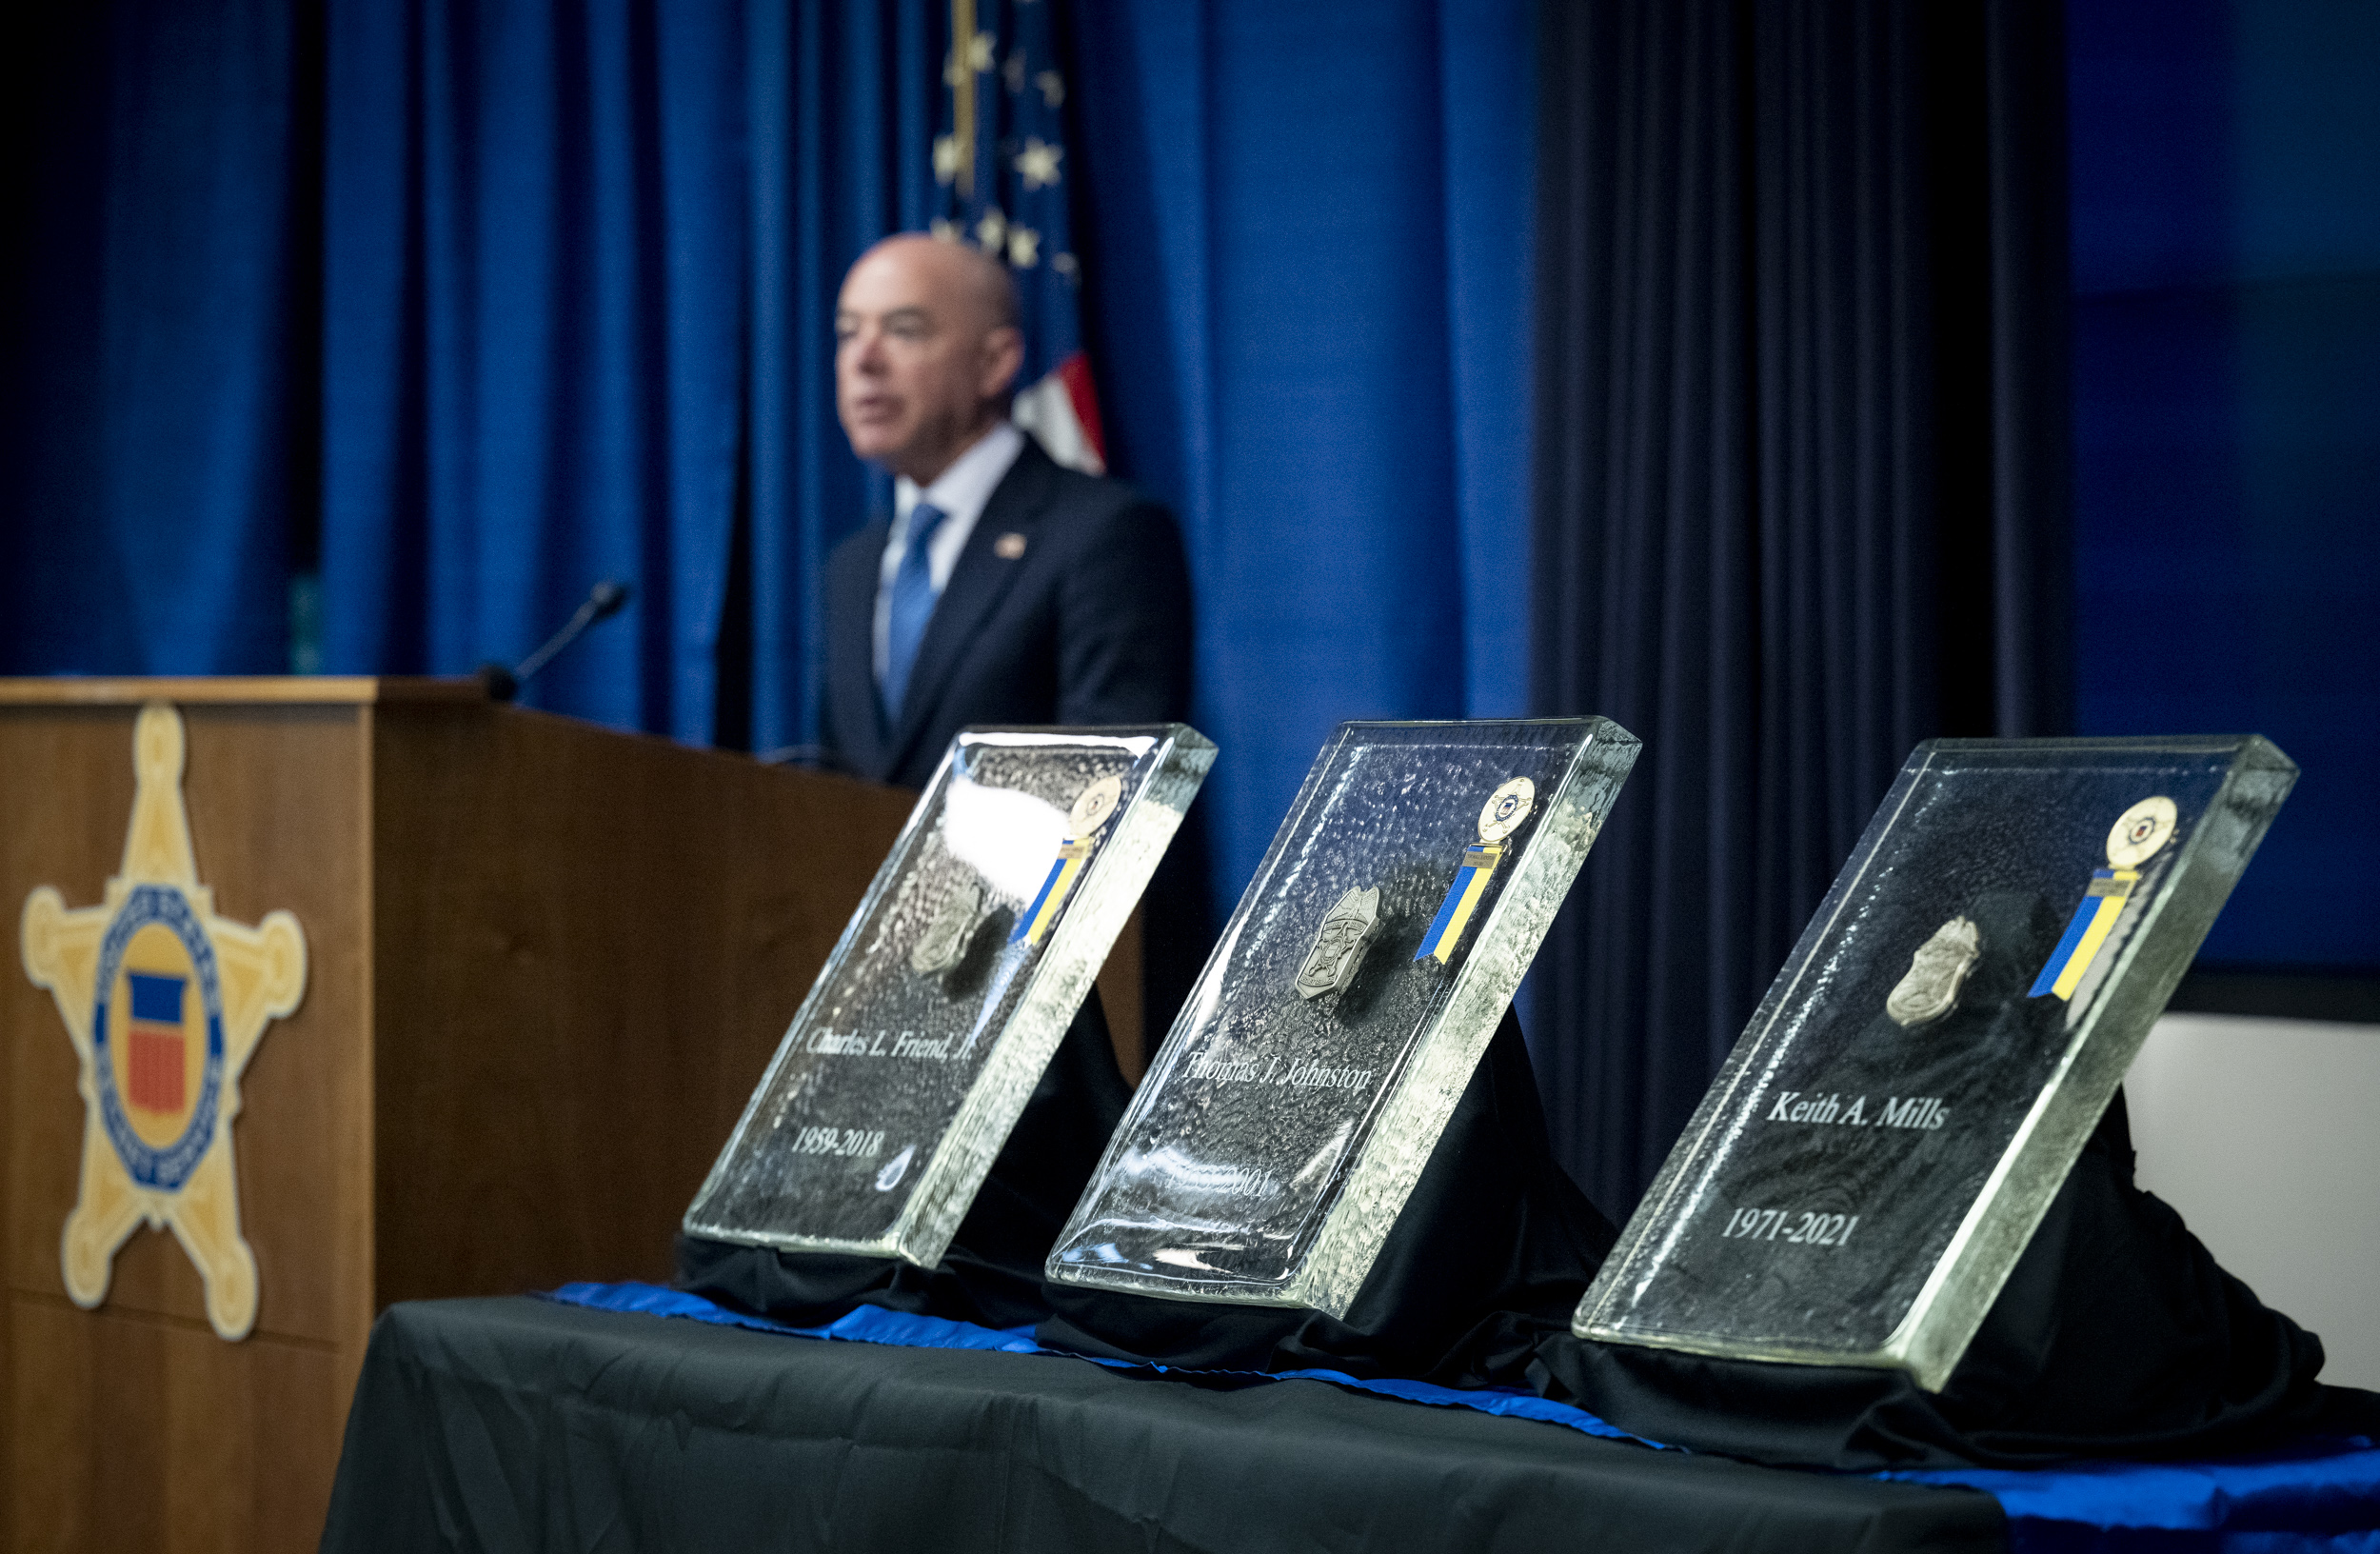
155,334
1799,480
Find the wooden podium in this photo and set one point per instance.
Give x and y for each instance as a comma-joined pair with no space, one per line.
545,966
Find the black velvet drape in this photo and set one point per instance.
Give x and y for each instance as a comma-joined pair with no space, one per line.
1800,480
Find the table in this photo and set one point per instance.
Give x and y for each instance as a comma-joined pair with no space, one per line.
520,1424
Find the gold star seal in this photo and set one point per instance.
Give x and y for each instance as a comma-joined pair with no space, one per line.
165,1003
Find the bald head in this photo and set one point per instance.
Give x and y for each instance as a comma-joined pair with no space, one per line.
927,348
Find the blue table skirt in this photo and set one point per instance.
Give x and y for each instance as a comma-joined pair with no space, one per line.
2318,1495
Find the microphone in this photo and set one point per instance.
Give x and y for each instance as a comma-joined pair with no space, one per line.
602,600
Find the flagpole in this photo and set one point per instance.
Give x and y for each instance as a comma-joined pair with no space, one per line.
963,91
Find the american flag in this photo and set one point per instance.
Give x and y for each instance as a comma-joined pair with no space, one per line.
155,1057
1000,171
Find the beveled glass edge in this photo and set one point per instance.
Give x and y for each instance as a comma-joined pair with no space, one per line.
1184,756
887,873
1207,990
1078,944
1718,1101
1608,735
1949,1308
2134,744
1401,1142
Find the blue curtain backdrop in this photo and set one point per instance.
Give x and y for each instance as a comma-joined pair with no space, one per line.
575,325
1309,250
528,294
580,283
841,114
155,334
576,272
2227,419
534,290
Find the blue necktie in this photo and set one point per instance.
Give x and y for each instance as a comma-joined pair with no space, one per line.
912,606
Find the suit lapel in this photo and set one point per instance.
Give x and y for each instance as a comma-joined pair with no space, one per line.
852,612
977,584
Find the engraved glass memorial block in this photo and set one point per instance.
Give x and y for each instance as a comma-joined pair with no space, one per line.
1304,1084
1876,1151
950,989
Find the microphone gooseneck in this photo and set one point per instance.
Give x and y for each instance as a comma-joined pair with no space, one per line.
604,599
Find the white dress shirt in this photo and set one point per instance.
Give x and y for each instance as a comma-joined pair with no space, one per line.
961,491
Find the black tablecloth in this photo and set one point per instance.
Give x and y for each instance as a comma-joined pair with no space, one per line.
503,1424
2117,1335
1487,1259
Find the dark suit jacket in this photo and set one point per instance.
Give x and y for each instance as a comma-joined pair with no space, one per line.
1089,625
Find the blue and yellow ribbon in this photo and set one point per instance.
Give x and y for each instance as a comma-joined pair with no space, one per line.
1462,899
2094,919
1062,874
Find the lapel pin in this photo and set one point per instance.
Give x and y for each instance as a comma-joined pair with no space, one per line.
1009,546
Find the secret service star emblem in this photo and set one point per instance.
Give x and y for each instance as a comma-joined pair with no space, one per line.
165,1003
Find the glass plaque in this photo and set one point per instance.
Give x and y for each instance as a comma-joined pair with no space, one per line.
1306,1080
1874,1156
949,993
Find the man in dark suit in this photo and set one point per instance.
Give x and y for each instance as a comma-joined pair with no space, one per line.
1003,588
